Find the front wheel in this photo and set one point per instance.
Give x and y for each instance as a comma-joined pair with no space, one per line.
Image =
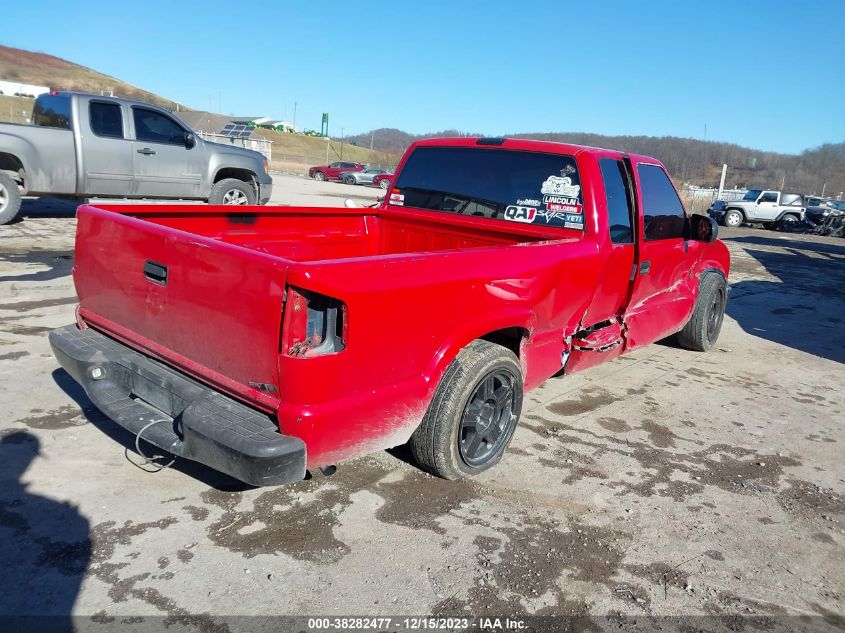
318,175
349,180
702,330
10,199
473,414
231,191
384,183
733,218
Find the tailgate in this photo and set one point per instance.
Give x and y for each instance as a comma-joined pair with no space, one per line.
209,308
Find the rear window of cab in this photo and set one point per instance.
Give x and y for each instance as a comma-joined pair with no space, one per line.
508,185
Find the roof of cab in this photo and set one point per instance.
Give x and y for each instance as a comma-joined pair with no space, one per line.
528,145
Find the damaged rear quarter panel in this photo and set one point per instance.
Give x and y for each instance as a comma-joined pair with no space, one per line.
408,317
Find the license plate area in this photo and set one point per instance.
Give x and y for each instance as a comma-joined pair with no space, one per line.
150,390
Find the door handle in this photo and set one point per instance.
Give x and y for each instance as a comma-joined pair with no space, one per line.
155,272
146,151
645,267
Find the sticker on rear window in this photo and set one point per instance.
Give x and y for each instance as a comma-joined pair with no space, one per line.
397,198
560,186
520,214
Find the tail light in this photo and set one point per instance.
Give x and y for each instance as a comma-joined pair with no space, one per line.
314,324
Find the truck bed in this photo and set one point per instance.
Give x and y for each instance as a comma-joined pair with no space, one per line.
203,288
317,234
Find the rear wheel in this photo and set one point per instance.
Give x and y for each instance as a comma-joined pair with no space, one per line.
231,191
702,330
473,414
790,218
10,199
318,175
733,218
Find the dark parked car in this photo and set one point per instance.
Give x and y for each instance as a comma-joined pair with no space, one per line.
818,213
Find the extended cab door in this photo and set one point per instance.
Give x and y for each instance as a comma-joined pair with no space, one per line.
600,333
663,292
165,164
106,161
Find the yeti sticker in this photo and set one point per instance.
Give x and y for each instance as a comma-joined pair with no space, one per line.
520,214
560,186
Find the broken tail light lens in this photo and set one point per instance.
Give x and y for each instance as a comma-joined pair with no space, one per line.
314,324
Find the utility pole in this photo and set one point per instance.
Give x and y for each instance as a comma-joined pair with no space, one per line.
372,135
294,115
823,188
722,180
782,182
342,136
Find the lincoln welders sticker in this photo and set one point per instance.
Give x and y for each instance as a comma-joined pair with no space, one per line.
561,203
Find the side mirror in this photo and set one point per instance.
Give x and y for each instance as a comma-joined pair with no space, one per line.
190,140
702,228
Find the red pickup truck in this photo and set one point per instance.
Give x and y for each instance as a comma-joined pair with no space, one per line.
268,340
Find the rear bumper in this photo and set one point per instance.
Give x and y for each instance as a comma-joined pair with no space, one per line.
198,423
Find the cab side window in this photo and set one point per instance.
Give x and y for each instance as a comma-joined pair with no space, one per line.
154,127
769,196
619,200
663,213
106,119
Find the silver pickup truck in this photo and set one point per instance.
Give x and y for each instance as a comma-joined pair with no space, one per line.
84,146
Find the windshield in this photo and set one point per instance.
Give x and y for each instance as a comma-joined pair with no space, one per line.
752,194
515,186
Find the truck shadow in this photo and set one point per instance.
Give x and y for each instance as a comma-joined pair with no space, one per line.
46,208
125,439
805,309
46,542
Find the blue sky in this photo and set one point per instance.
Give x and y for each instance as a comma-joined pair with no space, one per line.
750,71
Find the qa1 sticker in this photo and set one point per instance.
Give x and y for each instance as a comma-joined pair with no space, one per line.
520,214
560,186
397,198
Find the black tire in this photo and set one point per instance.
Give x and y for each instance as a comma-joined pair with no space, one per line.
231,191
318,175
479,396
702,330
10,199
733,218
790,217
350,180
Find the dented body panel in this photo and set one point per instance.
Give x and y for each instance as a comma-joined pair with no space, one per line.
410,287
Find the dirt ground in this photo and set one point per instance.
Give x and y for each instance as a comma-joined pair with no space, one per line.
665,483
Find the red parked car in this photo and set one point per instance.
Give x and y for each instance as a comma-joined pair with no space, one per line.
333,171
276,339
383,181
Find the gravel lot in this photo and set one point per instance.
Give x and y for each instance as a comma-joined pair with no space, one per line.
667,482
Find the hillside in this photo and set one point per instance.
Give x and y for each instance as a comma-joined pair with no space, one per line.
689,160
59,74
